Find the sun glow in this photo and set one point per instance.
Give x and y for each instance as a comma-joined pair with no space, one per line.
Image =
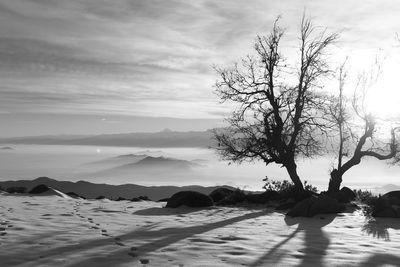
383,99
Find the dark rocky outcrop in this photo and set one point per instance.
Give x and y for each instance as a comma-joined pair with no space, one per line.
16,189
392,198
388,212
39,189
190,199
92,190
286,204
345,195
100,197
220,193
316,205
237,196
302,208
387,205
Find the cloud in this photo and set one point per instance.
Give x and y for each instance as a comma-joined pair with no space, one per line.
153,57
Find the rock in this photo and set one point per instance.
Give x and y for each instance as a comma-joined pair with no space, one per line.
387,212
316,205
39,189
190,199
256,198
220,193
120,199
16,189
238,196
101,197
302,208
345,195
387,205
163,200
262,198
325,204
288,204
392,198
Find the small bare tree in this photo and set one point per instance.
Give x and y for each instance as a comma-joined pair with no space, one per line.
279,113
353,144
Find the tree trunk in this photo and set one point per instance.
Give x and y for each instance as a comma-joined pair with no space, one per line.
335,181
292,171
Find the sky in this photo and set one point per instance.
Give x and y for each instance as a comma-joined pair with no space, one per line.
96,66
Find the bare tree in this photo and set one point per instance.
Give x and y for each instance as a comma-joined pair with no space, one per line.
279,114
353,144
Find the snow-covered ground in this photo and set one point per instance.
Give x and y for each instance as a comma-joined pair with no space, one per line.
60,231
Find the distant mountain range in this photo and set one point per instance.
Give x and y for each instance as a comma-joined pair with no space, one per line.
160,139
156,165
119,160
141,165
92,190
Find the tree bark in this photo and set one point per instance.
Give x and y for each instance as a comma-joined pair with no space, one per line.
335,181
291,168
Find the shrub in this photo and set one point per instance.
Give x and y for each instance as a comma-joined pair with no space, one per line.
275,185
374,204
364,196
310,187
285,187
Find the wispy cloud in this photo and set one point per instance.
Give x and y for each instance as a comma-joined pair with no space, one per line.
153,57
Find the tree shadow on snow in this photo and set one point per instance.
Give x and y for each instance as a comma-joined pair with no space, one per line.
168,211
316,241
154,239
381,259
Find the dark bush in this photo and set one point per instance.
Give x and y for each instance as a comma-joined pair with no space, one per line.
100,197
287,189
363,196
275,185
